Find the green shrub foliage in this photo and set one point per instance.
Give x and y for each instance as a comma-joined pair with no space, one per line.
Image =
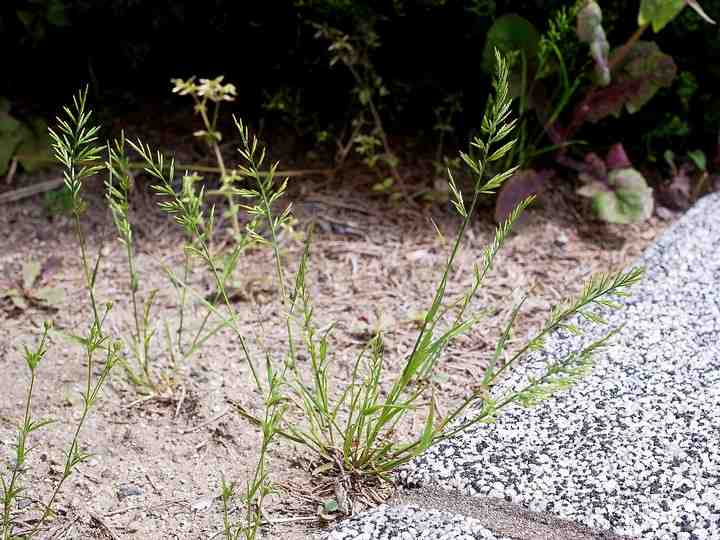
405,68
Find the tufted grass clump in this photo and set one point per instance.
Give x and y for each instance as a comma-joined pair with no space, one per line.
351,424
138,361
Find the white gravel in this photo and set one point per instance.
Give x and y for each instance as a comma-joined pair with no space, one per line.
635,446
408,523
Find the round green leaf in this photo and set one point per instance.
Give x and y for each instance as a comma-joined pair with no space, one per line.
629,199
510,33
658,13
34,150
699,159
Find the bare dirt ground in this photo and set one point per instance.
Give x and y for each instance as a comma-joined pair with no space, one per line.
157,463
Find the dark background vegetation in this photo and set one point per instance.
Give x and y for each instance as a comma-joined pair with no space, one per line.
127,51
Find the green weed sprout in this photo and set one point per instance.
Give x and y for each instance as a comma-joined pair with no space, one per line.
74,455
11,489
372,144
259,486
117,193
118,186
75,147
208,95
95,343
187,208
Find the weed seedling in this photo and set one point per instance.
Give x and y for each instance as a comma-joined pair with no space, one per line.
372,144
12,488
354,428
74,146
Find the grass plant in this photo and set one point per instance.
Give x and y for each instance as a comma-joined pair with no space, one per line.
354,428
74,146
350,425
12,488
138,363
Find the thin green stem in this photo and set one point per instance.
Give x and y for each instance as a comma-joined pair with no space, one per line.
377,119
133,293
221,287
9,490
198,333
183,297
67,469
66,474
89,280
224,178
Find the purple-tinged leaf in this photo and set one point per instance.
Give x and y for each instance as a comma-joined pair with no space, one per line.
675,194
643,71
519,187
617,158
605,102
646,62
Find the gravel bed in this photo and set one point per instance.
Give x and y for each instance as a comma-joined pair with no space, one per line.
408,523
634,448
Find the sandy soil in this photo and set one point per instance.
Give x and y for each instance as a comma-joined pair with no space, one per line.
157,462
